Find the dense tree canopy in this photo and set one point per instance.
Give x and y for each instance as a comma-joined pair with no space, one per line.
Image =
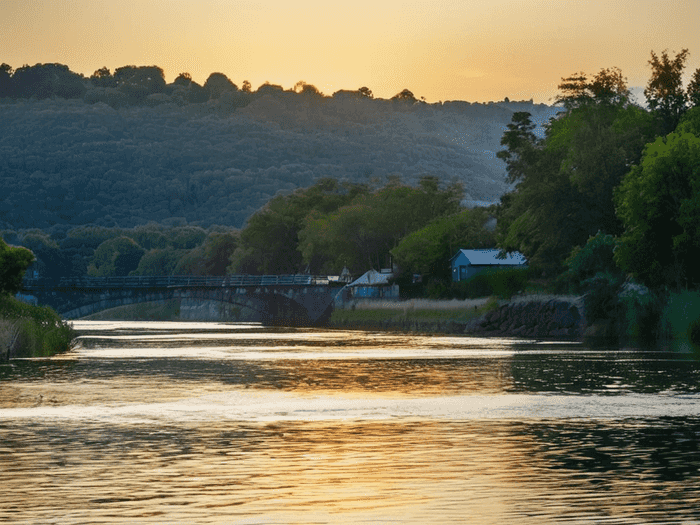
658,204
427,251
565,182
361,234
117,256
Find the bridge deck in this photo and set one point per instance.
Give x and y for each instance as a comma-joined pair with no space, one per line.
177,281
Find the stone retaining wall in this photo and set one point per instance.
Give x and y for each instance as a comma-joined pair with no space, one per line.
539,318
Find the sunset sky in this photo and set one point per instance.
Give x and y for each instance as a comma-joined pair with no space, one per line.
476,50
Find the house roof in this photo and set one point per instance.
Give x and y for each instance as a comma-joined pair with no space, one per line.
490,257
372,278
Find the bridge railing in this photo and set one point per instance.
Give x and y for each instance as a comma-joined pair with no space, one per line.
179,281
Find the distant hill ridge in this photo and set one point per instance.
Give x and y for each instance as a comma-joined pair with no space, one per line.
84,161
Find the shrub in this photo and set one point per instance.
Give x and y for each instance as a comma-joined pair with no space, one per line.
39,331
594,257
640,314
681,320
601,298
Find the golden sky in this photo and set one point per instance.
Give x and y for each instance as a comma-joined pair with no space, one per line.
475,50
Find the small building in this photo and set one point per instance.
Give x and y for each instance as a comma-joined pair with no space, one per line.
467,263
375,285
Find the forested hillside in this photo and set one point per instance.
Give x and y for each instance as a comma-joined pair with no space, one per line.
123,153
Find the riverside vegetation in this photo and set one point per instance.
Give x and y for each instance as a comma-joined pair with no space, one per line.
26,330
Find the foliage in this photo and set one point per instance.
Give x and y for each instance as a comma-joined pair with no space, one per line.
565,182
361,234
41,330
159,262
640,315
110,160
597,255
601,298
657,202
14,262
664,91
521,146
607,86
499,282
139,82
693,89
680,320
118,256
427,251
47,80
218,83
268,243
103,78
404,96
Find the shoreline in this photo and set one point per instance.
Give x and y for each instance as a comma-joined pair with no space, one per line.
550,317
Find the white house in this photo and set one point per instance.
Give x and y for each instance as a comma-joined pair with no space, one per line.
374,284
467,263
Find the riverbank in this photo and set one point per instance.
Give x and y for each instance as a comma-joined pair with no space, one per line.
418,315
31,331
533,316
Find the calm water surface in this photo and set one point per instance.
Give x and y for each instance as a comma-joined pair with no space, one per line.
176,423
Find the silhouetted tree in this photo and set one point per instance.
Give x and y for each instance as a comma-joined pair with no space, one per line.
217,83
305,88
664,91
103,78
693,90
139,82
405,96
5,80
183,79
365,92
608,86
47,80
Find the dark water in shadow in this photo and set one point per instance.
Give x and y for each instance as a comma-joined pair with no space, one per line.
204,423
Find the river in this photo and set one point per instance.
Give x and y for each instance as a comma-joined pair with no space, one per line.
206,423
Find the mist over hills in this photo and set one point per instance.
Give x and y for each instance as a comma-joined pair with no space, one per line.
98,160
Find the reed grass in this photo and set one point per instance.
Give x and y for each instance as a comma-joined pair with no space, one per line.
31,331
417,315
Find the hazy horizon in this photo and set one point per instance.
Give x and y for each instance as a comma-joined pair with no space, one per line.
478,51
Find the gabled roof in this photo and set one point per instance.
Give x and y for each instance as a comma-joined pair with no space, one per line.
490,257
372,278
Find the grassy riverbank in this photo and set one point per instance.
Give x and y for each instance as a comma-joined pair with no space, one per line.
419,315
31,331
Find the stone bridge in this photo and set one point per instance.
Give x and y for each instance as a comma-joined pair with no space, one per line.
293,300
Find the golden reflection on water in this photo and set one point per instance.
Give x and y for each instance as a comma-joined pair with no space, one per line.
292,472
248,425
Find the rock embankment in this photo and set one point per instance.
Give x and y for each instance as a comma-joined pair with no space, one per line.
539,318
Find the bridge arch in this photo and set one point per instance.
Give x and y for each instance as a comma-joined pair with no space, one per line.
279,300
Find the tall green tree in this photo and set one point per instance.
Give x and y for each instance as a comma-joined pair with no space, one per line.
564,183
659,205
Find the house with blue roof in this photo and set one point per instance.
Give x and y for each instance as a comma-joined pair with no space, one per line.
467,263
